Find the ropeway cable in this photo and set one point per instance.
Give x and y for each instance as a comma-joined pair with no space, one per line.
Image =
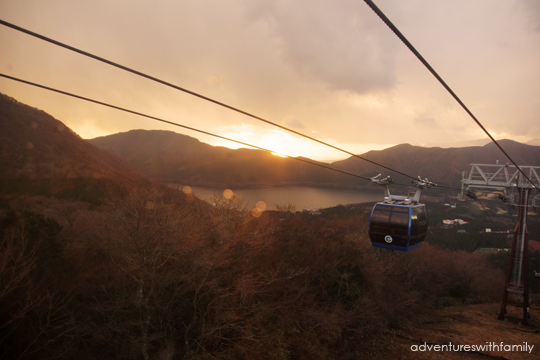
177,124
487,212
398,33
109,62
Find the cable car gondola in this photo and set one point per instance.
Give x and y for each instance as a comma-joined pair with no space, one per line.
399,222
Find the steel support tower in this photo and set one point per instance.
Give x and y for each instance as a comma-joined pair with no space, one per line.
515,190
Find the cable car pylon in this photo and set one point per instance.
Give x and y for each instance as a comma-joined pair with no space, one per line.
519,260
507,179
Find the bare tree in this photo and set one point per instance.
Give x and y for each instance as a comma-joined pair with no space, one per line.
286,207
148,236
31,302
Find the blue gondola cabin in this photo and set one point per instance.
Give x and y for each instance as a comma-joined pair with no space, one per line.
398,226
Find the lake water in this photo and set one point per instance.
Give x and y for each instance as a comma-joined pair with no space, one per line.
301,196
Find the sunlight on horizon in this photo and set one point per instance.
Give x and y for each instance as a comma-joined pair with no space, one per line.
279,142
304,148
89,131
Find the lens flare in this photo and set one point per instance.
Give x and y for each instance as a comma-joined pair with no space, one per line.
256,212
228,194
187,190
261,205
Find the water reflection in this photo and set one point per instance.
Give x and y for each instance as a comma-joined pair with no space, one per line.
302,196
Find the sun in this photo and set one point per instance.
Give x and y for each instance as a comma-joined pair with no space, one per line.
278,142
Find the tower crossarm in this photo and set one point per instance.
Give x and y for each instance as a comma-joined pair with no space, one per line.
498,176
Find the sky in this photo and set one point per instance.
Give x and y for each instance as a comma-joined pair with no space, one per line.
329,69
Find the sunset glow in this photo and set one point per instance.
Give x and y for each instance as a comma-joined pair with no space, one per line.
332,72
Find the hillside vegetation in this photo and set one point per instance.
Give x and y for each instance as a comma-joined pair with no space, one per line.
39,155
154,274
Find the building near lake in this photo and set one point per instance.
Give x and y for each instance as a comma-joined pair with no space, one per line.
450,223
457,221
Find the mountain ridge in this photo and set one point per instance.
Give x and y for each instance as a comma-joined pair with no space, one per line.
35,147
173,157
41,155
441,165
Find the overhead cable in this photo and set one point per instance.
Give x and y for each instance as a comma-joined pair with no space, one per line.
58,43
487,212
443,83
177,124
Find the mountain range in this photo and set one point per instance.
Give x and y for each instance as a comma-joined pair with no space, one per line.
40,152
478,142
172,157
442,166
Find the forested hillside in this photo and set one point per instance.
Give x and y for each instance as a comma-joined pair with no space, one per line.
154,274
39,155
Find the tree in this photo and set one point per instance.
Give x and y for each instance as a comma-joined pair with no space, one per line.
286,207
149,237
35,312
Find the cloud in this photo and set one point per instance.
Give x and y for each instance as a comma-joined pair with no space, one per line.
332,42
330,68
532,11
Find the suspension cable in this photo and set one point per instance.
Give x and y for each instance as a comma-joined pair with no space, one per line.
109,62
396,31
487,212
177,124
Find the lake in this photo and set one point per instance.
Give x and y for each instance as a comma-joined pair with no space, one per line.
302,197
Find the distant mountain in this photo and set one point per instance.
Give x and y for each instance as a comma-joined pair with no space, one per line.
478,142
443,166
468,143
172,157
39,155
